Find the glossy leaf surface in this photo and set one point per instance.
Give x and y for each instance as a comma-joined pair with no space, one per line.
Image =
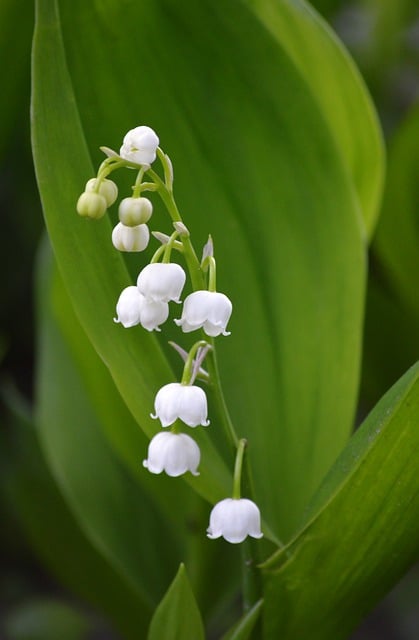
266,171
362,530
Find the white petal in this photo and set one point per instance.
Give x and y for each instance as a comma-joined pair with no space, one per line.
128,307
153,314
193,409
174,453
166,403
161,281
234,520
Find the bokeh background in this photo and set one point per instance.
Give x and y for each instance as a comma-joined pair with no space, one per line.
383,38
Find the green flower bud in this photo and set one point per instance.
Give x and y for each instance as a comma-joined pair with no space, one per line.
91,205
107,189
135,211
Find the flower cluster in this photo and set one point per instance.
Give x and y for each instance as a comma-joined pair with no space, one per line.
177,405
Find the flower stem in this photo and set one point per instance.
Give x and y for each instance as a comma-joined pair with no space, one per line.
137,187
188,368
191,258
238,469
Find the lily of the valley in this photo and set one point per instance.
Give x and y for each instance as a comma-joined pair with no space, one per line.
234,519
140,146
133,308
162,281
209,310
174,453
177,401
126,238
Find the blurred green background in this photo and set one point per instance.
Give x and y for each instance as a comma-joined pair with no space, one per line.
383,38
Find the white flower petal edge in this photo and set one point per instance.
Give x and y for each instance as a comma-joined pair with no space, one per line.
128,307
162,281
234,520
153,314
174,453
132,309
140,145
210,310
184,402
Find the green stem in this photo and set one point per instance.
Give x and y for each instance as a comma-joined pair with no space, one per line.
191,258
212,279
212,366
238,469
187,369
137,187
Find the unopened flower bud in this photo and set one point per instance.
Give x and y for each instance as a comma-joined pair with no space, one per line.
107,189
91,205
135,211
140,146
130,238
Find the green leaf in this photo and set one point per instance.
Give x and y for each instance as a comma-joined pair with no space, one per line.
242,630
340,91
177,617
88,246
266,172
116,516
362,530
54,534
392,342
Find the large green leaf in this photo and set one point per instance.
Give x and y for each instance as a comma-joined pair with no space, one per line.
88,246
255,160
53,532
121,521
393,303
177,617
322,59
362,530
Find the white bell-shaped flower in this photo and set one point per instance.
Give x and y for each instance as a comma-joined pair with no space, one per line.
153,314
128,307
234,520
140,146
132,309
161,281
130,238
207,309
174,453
180,401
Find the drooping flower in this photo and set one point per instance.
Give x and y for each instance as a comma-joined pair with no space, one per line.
174,453
133,308
180,401
130,238
162,281
107,189
135,211
210,310
128,307
234,520
91,205
153,314
140,146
